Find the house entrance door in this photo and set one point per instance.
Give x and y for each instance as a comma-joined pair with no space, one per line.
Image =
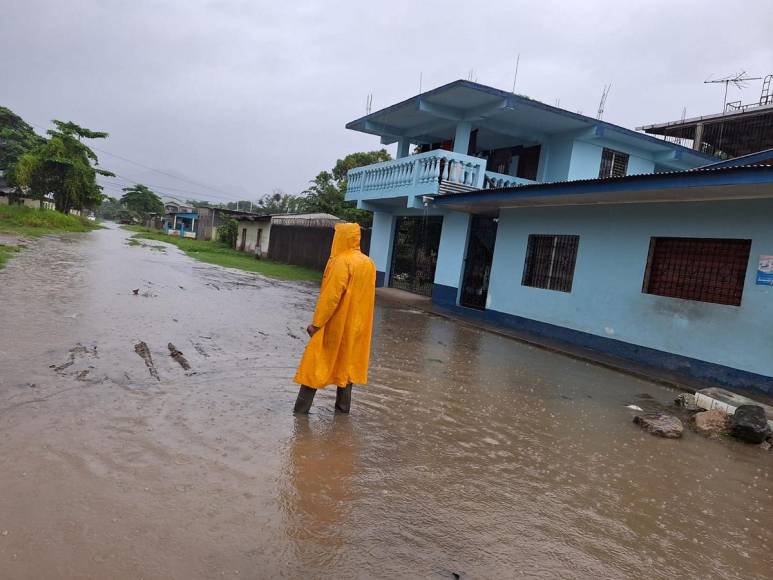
477,265
244,239
414,253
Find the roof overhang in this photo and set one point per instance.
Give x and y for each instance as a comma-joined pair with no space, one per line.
702,185
432,116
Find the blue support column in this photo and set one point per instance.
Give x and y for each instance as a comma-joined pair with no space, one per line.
462,137
381,244
403,147
451,255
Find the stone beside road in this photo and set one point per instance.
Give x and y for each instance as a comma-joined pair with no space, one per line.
660,424
749,424
714,423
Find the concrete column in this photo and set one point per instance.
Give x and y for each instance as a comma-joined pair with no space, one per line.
381,244
462,137
696,144
451,254
403,147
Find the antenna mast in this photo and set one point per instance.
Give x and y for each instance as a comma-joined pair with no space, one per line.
738,80
515,76
603,101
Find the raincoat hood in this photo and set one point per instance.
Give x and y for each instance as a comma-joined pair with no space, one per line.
346,237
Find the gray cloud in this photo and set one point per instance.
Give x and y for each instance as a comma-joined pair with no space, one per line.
246,96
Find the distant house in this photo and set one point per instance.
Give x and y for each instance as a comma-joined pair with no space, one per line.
210,218
179,220
10,195
253,234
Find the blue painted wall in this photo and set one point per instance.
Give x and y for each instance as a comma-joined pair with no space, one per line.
453,246
606,299
381,240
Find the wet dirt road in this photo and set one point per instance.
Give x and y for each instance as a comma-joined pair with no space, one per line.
469,453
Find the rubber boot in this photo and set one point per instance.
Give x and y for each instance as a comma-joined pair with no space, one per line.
344,398
304,400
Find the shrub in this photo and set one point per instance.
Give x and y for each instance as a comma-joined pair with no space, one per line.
228,232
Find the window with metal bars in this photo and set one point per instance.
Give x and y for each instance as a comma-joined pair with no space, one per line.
550,262
613,164
702,269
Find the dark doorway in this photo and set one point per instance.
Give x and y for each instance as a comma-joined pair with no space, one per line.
244,239
414,253
477,265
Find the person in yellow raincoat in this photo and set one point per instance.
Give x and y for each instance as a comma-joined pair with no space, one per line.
339,349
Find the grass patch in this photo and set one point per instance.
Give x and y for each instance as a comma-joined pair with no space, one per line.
31,222
222,255
6,252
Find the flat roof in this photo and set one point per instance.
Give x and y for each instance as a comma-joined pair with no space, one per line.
701,184
433,115
692,121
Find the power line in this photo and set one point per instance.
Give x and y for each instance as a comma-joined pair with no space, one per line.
231,196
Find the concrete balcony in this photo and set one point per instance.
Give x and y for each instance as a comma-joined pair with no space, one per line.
435,172
431,173
494,180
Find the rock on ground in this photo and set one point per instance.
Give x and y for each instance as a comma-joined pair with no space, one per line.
714,423
750,424
660,424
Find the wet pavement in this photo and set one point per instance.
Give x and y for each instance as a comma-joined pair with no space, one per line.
469,454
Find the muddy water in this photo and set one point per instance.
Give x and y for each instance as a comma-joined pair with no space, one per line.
468,453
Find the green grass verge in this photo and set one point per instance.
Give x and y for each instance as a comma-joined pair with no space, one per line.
221,255
30,222
6,252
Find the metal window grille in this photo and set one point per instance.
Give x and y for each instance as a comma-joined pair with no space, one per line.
702,269
613,164
550,262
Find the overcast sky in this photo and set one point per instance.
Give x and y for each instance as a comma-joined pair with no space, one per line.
245,96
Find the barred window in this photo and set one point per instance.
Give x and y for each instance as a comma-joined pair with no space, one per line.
613,164
702,269
550,262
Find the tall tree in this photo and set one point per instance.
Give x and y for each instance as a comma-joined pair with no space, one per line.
141,199
278,202
64,166
327,191
16,139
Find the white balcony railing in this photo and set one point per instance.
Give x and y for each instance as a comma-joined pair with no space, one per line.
420,174
494,180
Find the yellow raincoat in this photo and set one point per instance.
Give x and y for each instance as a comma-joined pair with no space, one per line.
339,351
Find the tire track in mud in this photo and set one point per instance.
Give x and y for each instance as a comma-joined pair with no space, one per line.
141,348
178,357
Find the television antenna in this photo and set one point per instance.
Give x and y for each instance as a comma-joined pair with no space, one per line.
603,101
515,75
738,80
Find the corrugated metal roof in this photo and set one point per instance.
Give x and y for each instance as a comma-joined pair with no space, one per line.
620,188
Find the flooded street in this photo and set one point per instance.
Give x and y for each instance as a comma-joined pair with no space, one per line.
468,453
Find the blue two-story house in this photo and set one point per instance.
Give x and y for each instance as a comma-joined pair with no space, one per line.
573,228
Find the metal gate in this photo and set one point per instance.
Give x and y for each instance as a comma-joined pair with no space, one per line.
414,253
477,266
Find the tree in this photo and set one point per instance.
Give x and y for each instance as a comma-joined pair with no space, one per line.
141,199
278,202
241,205
64,166
16,139
327,191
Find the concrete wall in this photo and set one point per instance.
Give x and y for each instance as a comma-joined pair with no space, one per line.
381,240
453,245
263,226
606,299
586,159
